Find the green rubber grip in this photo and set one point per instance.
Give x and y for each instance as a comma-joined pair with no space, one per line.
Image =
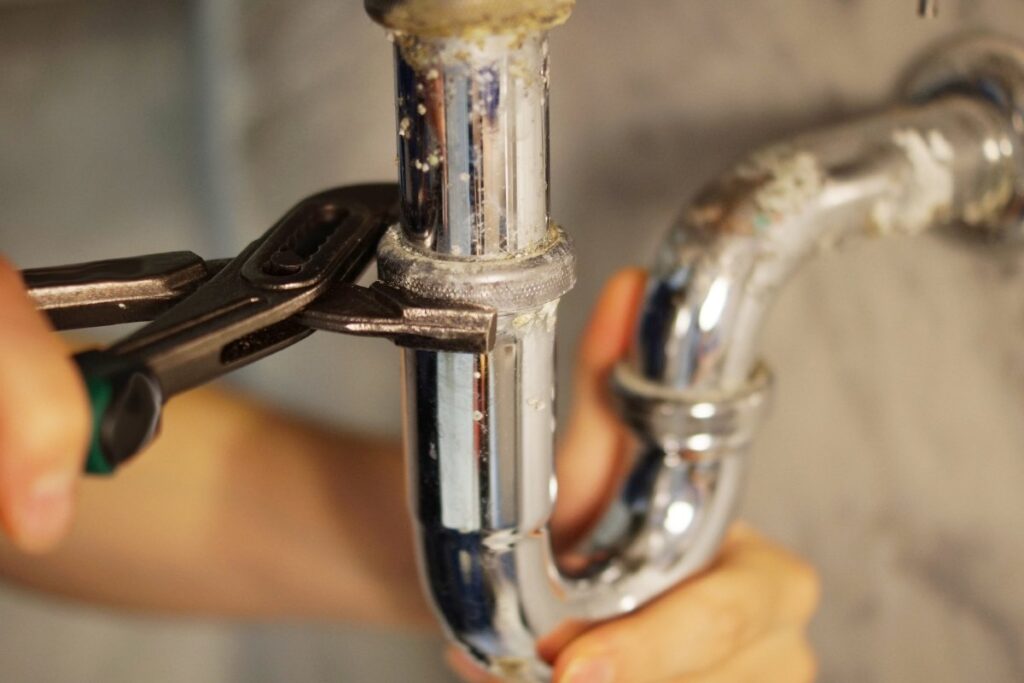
101,391
126,400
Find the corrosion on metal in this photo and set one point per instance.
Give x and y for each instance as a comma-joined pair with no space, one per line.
468,18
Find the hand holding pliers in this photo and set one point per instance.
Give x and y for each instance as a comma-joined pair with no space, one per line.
211,317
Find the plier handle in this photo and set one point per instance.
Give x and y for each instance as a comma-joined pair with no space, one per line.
212,317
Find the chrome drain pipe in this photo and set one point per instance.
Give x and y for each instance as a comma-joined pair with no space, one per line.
472,117
473,164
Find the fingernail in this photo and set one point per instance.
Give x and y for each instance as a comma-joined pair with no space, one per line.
589,671
465,667
45,510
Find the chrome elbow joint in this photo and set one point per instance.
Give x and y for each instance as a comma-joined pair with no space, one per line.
471,92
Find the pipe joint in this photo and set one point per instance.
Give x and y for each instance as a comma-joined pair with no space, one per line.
468,18
527,281
699,426
989,69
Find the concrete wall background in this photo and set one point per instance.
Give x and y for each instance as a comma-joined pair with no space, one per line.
893,457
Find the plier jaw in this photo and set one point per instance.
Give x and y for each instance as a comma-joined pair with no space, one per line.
212,317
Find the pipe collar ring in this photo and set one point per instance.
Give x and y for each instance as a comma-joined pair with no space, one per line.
699,425
507,284
990,68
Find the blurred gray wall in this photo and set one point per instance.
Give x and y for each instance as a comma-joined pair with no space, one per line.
893,459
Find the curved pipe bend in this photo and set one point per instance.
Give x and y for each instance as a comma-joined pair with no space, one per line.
954,160
954,155
719,271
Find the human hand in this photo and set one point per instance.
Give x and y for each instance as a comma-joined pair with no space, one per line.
208,522
743,619
44,422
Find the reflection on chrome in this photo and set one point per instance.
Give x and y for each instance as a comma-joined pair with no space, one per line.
473,162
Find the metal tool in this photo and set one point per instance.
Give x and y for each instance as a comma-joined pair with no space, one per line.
212,317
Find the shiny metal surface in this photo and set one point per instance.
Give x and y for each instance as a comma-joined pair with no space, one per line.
990,68
472,133
126,290
955,159
472,152
700,426
529,280
472,137
899,173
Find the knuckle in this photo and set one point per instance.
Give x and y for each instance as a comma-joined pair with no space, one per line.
804,588
727,621
806,662
610,641
692,630
732,623
793,582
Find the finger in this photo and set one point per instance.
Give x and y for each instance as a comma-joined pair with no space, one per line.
753,588
44,422
781,657
590,455
798,584
466,668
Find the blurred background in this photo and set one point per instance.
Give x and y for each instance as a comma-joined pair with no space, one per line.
893,459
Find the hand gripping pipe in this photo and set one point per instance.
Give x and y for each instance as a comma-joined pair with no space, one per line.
473,163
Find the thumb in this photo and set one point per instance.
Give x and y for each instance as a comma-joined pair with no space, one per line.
44,422
591,456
